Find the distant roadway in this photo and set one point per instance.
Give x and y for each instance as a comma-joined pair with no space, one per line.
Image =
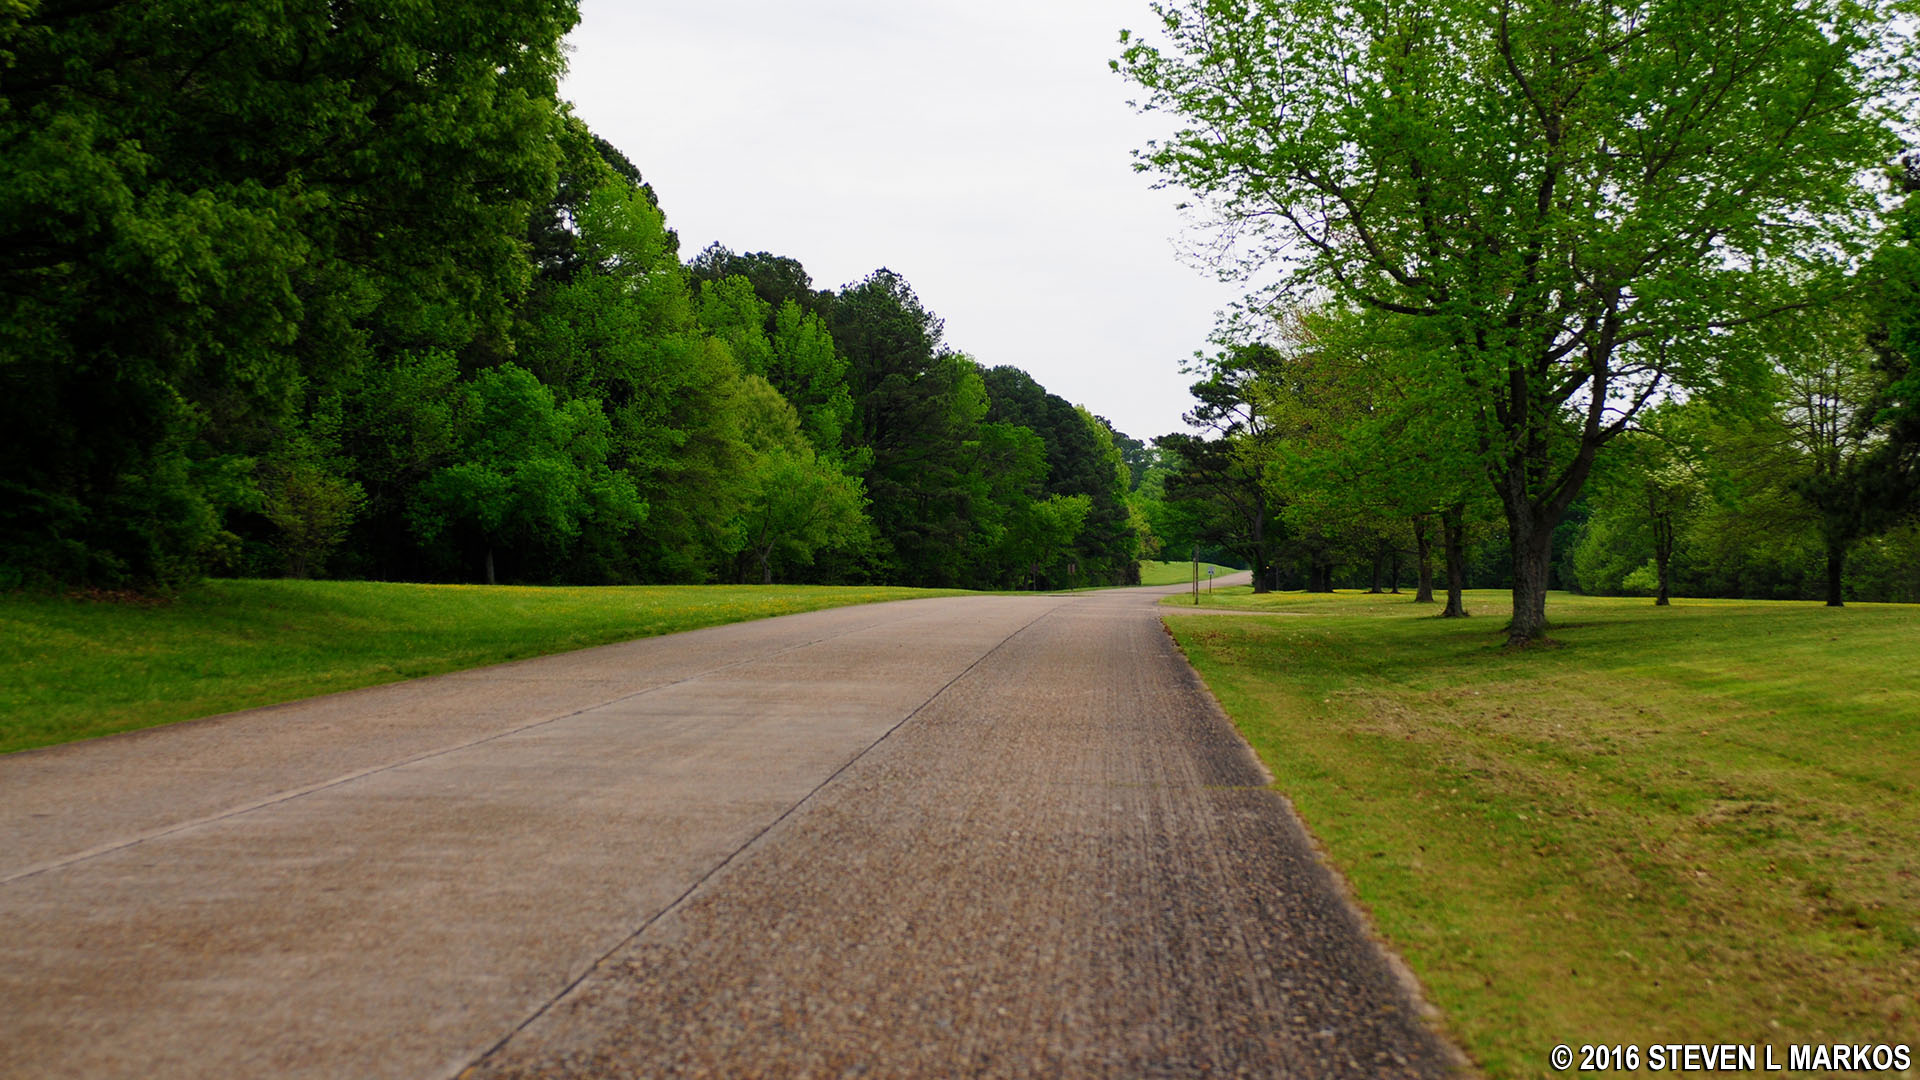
974,836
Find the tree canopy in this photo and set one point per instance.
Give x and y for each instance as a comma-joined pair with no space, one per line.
1579,200
347,289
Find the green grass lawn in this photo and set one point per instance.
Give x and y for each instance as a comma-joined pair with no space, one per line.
1179,573
72,669
1686,824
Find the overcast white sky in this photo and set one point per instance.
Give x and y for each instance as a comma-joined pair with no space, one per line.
980,148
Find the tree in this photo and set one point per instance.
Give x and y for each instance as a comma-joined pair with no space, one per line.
1825,384
306,494
1082,461
1669,489
624,332
917,408
1023,536
776,279
800,502
1106,535
1039,533
1366,461
805,367
587,164
1891,470
1643,500
729,311
527,473
1230,471
1578,196
1170,528
1139,457
810,373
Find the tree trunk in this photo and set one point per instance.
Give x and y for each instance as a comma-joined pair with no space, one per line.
489,564
1836,568
1319,572
1663,556
766,566
1424,544
1259,553
1453,526
1379,559
1532,540
1393,570
1535,500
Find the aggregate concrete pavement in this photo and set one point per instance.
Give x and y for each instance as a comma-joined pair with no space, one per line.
1002,836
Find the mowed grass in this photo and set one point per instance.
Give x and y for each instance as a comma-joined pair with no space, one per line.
1694,824
1178,573
73,669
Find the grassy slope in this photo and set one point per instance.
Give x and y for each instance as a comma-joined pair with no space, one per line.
1178,573
72,669
1690,824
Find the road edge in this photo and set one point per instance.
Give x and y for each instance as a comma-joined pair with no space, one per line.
1460,1062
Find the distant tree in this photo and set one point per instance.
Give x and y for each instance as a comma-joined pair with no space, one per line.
1021,535
1139,456
1643,501
625,333
1169,528
396,429
799,502
1825,385
728,310
1107,535
917,407
526,473
1081,461
809,372
1230,471
1366,452
1039,534
587,163
776,279
306,493
1578,196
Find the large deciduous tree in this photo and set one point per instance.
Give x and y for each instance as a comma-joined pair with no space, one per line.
1578,194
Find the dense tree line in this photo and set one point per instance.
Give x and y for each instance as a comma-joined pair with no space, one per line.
344,289
1799,483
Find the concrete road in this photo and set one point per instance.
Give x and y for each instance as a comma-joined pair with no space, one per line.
1005,836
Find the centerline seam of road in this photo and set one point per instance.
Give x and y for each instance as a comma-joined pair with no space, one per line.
677,901
309,789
